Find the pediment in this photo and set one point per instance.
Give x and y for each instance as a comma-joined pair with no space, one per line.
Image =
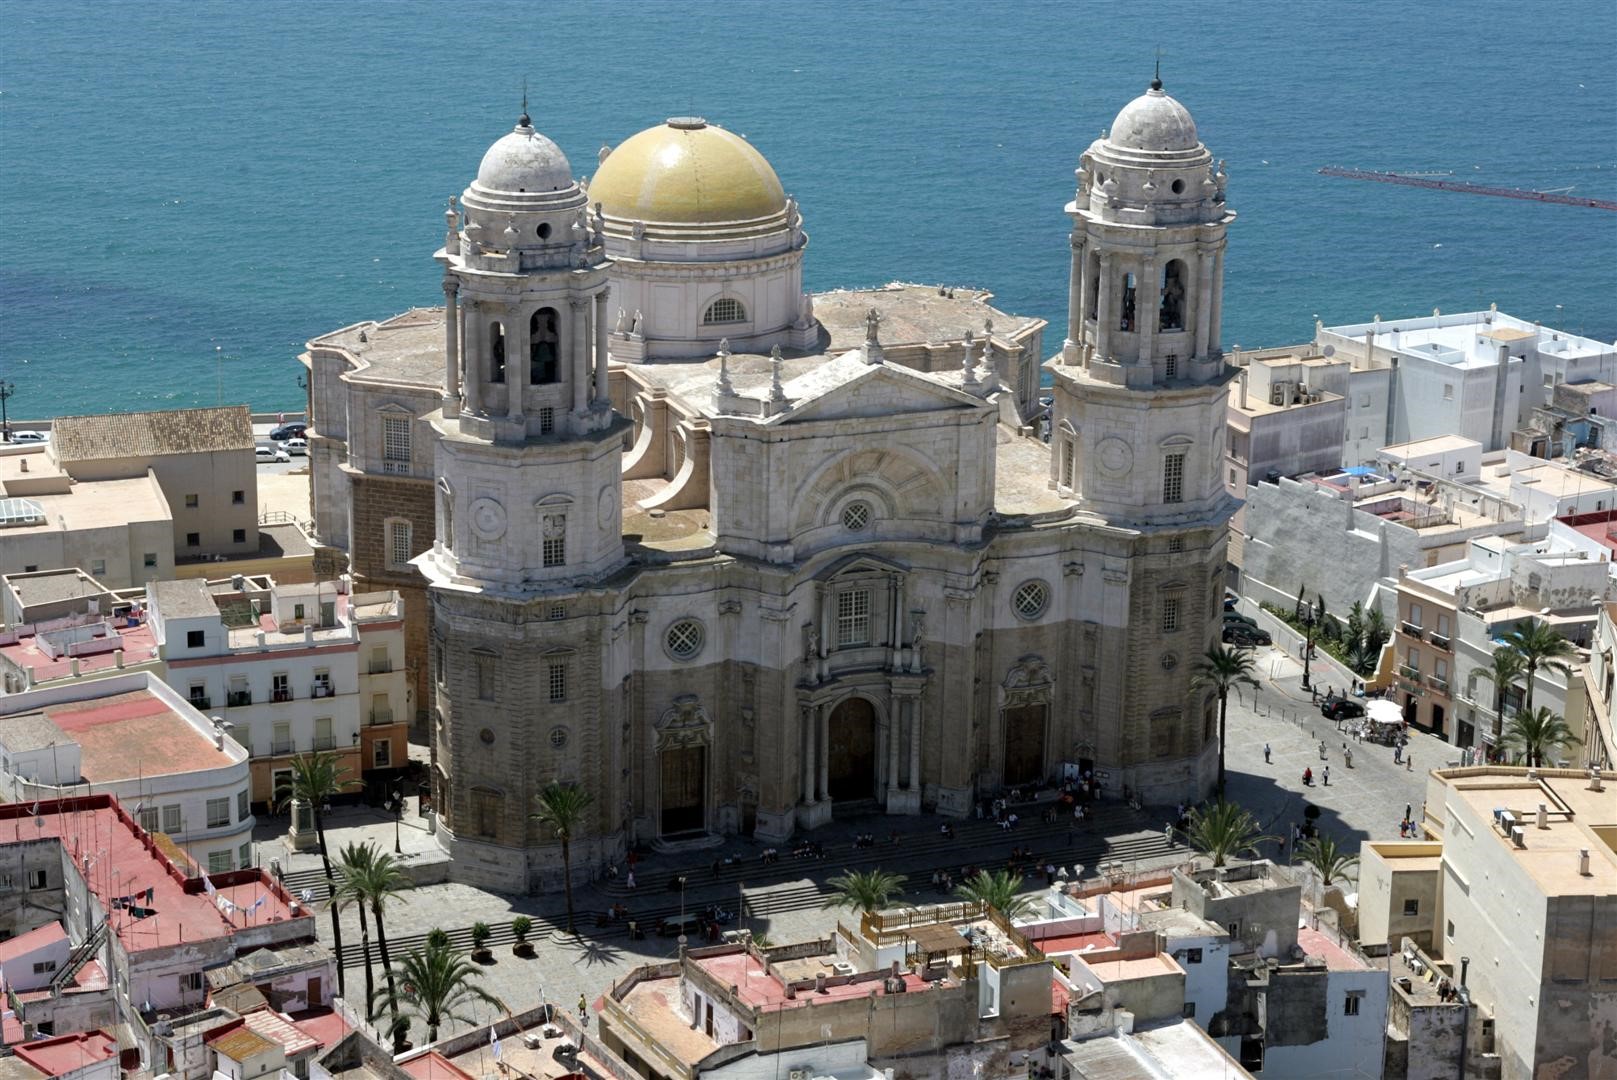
848,388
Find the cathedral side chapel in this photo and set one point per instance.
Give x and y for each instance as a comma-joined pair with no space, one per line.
736,558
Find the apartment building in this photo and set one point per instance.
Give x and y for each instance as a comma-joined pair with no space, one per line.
131,735
1514,887
1423,647
1599,737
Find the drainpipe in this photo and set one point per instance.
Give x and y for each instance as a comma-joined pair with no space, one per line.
1465,1026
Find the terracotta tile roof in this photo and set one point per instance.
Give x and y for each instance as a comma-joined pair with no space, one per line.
151,434
239,1043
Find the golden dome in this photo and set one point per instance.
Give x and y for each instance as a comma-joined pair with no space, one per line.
687,172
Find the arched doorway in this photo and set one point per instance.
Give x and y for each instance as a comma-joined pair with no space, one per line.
851,761
1024,743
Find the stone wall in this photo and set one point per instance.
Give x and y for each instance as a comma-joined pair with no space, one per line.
374,501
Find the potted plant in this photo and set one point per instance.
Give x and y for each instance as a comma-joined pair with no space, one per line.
520,926
437,939
481,932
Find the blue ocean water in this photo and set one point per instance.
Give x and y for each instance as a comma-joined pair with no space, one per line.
197,189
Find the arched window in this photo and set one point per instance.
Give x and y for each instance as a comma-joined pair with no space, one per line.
1125,321
1171,315
496,352
1092,302
726,309
542,347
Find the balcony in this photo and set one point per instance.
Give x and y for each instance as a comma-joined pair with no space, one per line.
1410,673
1412,630
279,696
395,468
237,699
202,704
1438,684
381,667
321,690
1441,642
281,746
380,717
324,742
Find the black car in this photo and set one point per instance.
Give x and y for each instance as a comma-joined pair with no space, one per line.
1337,708
1245,636
289,431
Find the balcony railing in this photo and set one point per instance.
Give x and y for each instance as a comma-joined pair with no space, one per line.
381,716
320,690
281,746
279,696
202,703
1440,685
236,699
1440,641
1408,672
381,667
1412,630
395,468
324,742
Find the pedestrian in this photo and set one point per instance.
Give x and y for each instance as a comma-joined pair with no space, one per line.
1409,811
1266,753
1348,754
628,881
1409,762
1325,774
583,1009
1167,833
1322,749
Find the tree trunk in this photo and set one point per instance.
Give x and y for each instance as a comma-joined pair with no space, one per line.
1223,711
387,961
336,922
567,877
1498,718
365,946
1532,670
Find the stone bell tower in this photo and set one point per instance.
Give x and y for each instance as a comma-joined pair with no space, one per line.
528,460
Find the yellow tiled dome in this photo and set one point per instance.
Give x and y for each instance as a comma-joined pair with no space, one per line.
687,172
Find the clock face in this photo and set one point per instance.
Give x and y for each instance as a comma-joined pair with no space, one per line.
1115,456
488,519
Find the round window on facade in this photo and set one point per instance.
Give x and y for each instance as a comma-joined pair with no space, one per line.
487,735
684,639
558,738
1178,187
543,230
1030,599
856,516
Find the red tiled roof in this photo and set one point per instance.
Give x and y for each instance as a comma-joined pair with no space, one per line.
278,1029
325,1025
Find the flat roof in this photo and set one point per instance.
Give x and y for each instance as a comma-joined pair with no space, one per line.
760,989
1324,946
126,735
98,504
1437,444
65,1053
185,598
1559,480
52,586
138,643
94,827
407,348
914,314
1550,856
654,1004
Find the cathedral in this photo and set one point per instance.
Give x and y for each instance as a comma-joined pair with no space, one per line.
735,557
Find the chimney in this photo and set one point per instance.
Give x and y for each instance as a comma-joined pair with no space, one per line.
75,666
819,982
308,633
1465,966
1244,376
261,639
22,464
1543,816
118,658
895,969
218,739
1594,779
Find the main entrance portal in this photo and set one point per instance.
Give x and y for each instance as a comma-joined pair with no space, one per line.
851,761
1024,743
684,787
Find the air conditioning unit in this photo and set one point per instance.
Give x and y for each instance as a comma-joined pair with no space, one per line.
798,1074
532,1041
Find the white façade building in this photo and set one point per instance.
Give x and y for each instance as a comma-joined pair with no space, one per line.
751,567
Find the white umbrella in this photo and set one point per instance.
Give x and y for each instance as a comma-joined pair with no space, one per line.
1383,711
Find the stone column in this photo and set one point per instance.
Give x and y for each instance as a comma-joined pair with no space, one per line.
1078,319
474,365
451,348
1215,339
1075,301
1105,317
516,362
915,745
1204,301
578,361
823,723
806,726
1147,299
602,398
895,734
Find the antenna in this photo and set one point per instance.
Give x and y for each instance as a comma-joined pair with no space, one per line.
1156,81
524,121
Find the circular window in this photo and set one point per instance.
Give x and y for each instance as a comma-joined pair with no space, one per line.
543,230
1030,599
684,639
1178,187
558,738
856,516
487,735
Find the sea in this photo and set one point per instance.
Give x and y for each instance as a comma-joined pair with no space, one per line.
196,189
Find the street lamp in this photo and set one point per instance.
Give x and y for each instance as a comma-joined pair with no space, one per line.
7,389
398,812
1308,647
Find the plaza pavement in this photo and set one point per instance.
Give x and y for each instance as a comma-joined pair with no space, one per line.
1362,802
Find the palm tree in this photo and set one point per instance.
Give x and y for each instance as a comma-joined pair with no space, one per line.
1506,667
434,984
1537,733
1375,631
1224,829
998,891
1220,669
1540,645
1329,860
375,882
315,778
562,807
863,890
351,862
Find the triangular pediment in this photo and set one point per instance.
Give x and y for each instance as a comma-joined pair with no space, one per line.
848,388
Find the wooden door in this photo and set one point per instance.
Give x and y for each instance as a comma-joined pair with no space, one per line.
1024,744
684,789
851,763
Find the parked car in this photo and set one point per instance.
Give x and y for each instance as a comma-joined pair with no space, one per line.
30,437
290,431
1338,708
675,925
1235,617
295,447
1245,636
266,454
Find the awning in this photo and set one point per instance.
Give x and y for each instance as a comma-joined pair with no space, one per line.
1383,711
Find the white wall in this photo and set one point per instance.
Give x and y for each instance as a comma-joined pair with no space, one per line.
1352,1045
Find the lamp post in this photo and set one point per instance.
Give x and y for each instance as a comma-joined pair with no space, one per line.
398,813
7,389
1308,646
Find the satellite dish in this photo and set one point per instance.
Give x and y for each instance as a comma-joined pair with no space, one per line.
1329,350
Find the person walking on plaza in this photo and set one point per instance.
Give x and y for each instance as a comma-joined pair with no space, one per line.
1266,753
1322,749
1325,775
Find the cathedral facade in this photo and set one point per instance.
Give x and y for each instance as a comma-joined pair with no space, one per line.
734,557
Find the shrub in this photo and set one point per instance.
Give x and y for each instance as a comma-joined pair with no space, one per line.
481,932
437,939
520,926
